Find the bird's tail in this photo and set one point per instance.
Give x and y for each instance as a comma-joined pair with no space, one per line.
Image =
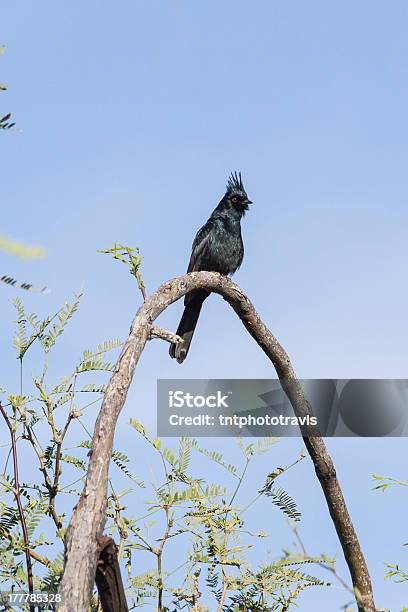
187,325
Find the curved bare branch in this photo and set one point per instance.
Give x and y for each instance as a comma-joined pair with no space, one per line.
88,519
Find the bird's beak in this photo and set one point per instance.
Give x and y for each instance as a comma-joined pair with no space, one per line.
249,202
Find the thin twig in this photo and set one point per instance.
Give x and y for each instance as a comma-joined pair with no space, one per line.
33,554
58,439
225,576
19,504
321,564
159,553
225,587
30,436
164,334
120,525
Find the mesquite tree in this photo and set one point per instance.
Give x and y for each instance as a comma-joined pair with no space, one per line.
207,518
218,520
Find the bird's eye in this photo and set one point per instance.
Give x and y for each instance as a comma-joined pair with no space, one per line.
234,199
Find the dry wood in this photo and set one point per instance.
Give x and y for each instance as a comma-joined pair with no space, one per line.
164,334
88,519
108,578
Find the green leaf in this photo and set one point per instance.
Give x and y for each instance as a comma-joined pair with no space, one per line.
63,316
283,501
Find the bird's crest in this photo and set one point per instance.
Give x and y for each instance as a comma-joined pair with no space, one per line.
235,183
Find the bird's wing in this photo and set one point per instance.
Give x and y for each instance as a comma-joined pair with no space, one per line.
200,246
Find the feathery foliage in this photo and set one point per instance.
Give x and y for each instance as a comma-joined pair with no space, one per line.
384,483
185,511
131,257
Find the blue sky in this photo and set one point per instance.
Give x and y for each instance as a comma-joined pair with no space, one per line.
132,115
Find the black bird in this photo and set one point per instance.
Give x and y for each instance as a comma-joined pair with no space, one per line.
217,247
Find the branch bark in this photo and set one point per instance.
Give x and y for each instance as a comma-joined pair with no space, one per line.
108,578
88,519
164,334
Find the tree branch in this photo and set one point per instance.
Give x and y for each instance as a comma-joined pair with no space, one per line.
108,578
159,553
17,496
88,519
164,334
